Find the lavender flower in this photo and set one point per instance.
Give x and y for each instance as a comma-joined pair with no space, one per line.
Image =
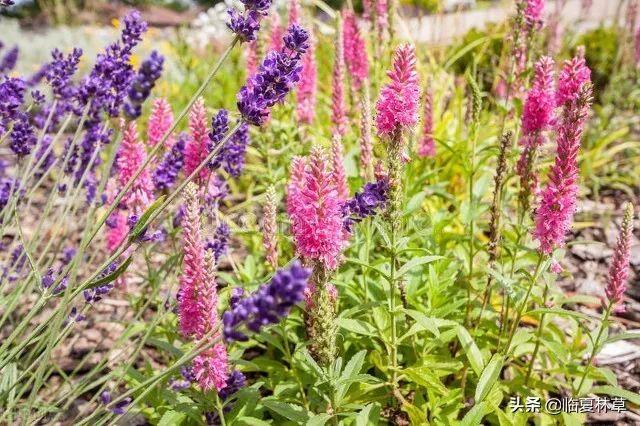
23,137
9,60
364,203
149,72
235,150
277,75
11,97
245,26
219,128
220,241
235,382
268,304
167,172
61,70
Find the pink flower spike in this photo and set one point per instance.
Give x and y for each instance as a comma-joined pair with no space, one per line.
193,268
537,114
554,217
160,121
316,213
619,267
277,31
355,50
338,109
117,230
426,144
196,149
307,86
397,106
211,368
338,173
294,12
573,76
534,13
131,155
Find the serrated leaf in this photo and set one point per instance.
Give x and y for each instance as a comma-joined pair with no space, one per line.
471,350
425,377
488,378
319,419
356,326
172,418
368,416
287,410
417,261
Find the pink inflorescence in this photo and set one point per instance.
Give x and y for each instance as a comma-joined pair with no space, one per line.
315,210
211,367
160,121
573,76
338,109
426,144
131,156
355,50
533,13
397,107
338,173
307,86
558,199
196,149
537,114
193,267
619,267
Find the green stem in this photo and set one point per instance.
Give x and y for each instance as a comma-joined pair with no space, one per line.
596,346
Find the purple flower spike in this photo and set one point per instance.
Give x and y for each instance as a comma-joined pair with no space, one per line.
365,203
23,137
268,304
275,78
244,26
9,61
149,72
167,172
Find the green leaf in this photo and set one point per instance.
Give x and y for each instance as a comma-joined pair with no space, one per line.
356,326
425,377
171,418
290,411
369,415
112,276
471,350
424,321
623,336
143,222
251,421
319,419
476,414
489,377
632,397
417,261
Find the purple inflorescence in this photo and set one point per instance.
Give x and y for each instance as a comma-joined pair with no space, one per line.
9,60
219,128
275,78
235,382
167,172
149,72
268,304
218,244
365,202
23,137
